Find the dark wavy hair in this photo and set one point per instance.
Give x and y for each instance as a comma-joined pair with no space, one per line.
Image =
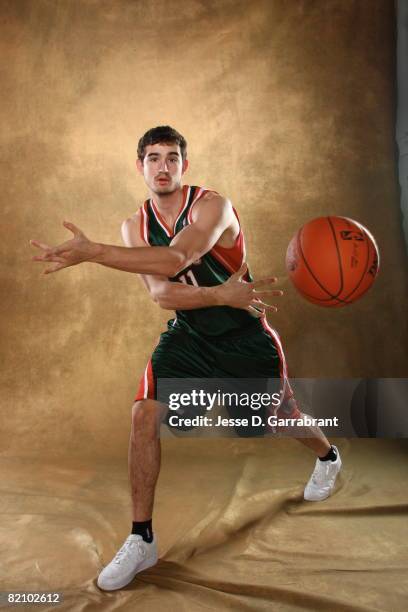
162,133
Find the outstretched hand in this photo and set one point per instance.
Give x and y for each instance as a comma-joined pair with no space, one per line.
238,293
69,253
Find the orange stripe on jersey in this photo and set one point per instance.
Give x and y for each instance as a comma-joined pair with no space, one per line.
144,224
150,380
287,392
201,192
141,224
231,257
186,197
160,219
140,391
146,384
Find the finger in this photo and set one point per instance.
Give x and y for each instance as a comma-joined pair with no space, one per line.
265,306
40,245
73,228
254,312
240,273
52,250
45,257
243,270
263,281
268,292
62,248
48,257
55,268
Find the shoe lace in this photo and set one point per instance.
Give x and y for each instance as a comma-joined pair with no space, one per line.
126,548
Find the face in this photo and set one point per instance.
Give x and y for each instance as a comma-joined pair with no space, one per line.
162,167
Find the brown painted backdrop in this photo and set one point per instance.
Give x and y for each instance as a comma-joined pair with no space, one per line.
288,109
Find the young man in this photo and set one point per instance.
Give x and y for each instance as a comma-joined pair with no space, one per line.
187,244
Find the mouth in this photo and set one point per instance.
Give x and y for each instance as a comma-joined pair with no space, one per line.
162,180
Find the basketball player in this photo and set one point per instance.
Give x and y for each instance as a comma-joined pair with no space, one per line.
187,244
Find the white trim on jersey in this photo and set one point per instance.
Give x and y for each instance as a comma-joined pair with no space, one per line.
198,195
183,207
145,383
277,341
145,225
170,233
158,219
224,262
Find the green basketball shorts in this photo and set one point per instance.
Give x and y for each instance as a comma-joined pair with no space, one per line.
249,353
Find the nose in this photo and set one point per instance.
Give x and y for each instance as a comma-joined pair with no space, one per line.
163,165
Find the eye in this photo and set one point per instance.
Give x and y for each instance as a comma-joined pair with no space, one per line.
174,159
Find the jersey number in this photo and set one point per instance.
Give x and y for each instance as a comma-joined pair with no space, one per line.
188,279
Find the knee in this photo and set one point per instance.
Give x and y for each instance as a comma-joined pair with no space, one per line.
289,409
144,416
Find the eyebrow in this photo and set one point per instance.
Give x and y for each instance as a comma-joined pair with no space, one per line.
170,153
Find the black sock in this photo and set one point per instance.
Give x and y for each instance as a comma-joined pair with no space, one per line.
332,455
143,528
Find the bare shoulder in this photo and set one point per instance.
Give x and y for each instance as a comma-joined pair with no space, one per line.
212,195
213,203
135,217
130,230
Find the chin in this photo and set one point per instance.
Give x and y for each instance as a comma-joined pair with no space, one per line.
164,189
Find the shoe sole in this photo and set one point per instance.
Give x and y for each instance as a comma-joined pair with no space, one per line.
317,498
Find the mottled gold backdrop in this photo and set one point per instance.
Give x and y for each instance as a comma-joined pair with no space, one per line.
288,109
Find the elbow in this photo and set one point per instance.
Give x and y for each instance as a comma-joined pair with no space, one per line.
165,305
161,300
178,261
160,297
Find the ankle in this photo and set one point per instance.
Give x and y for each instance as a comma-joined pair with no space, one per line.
144,529
331,455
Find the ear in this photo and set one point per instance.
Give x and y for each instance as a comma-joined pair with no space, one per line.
139,166
185,166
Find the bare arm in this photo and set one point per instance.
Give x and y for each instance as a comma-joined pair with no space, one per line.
171,295
167,294
187,246
158,263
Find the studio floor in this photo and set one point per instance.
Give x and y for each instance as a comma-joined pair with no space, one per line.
233,529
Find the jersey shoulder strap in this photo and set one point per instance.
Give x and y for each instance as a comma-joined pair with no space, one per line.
148,211
199,192
144,222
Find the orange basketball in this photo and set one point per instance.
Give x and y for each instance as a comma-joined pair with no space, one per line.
332,261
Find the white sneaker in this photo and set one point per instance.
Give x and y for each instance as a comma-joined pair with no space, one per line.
134,556
321,482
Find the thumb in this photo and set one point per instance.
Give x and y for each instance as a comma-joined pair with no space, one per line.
240,273
73,228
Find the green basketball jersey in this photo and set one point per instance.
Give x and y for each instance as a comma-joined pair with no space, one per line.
213,268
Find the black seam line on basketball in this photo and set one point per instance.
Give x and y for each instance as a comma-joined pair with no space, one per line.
365,269
332,297
338,256
324,299
339,300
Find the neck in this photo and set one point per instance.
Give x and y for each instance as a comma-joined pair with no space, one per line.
168,202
